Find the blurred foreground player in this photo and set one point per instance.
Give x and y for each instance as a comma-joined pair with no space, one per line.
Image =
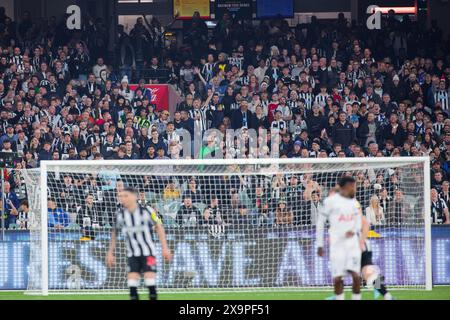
344,214
370,273
137,224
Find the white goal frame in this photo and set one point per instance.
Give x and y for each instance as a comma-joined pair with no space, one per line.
45,166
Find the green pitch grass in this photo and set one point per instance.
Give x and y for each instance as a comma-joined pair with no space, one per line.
438,293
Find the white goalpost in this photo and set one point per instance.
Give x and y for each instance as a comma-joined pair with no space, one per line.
232,224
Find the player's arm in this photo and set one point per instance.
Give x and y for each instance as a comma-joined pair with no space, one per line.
320,225
319,234
365,228
110,258
162,238
161,235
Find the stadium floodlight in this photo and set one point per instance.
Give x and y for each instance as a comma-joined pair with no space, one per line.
259,233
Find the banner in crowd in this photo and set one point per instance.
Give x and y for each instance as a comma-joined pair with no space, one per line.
159,95
186,8
220,258
240,9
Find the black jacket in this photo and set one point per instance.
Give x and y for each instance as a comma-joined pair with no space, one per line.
343,133
398,138
237,119
188,216
315,125
94,213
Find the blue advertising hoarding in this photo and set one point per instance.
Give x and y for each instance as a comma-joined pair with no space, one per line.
263,258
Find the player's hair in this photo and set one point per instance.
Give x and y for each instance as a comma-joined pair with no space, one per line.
346,180
52,199
131,190
24,203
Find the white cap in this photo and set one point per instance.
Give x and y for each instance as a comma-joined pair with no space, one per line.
124,79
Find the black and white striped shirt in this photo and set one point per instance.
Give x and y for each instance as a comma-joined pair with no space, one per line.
278,125
441,96
244,80
321,99
236,61
207,71
341,86
438,127
137,228
201,123
36,62
292,104
438,211
17,60
355,75
308,97
306,62
235,106
367,62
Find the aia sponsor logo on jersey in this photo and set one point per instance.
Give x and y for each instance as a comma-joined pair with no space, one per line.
345,217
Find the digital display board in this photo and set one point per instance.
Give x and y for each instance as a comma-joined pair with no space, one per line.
239,9
262,259
274,8
186,8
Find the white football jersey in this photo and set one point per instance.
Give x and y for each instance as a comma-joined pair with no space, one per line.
343,215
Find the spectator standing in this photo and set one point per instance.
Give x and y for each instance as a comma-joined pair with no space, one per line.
212,213
188,215
439,209
57,217
90,217
10,203
283,215
374,212
343,131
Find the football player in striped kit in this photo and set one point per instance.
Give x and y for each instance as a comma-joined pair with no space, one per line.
137,223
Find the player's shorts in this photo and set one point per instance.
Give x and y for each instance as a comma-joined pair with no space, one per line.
142,264
345,256
366,259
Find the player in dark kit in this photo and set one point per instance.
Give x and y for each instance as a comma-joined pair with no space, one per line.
371,273
137,224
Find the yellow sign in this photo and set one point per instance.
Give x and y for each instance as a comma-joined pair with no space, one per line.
184,9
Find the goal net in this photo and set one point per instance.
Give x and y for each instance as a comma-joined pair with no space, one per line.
231,224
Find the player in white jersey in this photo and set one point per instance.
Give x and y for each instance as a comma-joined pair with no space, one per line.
370,272
343,213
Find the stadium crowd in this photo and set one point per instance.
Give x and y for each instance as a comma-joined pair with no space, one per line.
326,89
